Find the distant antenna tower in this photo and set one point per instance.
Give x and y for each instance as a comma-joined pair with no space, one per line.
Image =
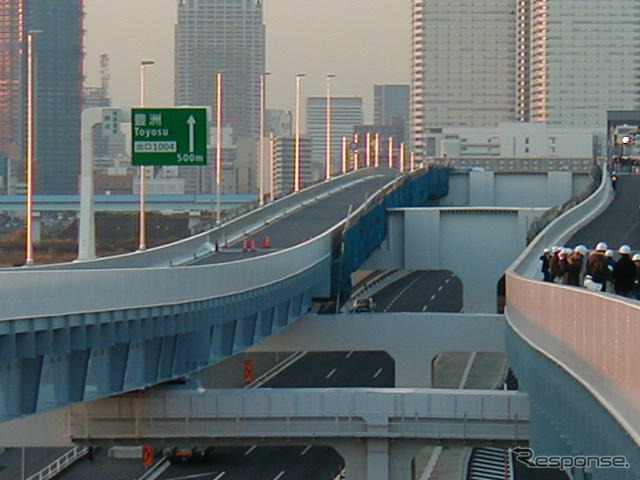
105,74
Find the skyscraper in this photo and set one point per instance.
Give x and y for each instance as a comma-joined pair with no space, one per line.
221,36
58,84
463,64
228,37
581,58
390,102
346,112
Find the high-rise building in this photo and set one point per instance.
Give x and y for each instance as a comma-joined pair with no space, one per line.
58,82
346,112
283,164
581,60
228,37
463,65
391,104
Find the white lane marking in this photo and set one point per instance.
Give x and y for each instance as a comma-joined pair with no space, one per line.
199,475
440,288
433,296
402,292
467,369
330,373
378,372
425,308
348,355
307,448
433,460
279,475
250,450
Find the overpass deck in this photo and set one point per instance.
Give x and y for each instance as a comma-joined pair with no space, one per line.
169,415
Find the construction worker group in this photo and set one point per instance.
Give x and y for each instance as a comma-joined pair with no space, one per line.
597,270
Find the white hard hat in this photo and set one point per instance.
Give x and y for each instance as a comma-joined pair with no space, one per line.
636,257
601,247
581,249
567,251
546,250
555,249
609,253
625,250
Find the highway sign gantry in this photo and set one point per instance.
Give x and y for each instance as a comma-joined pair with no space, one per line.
169,136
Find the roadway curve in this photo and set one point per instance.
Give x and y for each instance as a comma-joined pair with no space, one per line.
307,222
619,223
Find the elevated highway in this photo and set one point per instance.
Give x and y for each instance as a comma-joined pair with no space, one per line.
580,343
574,351
75,332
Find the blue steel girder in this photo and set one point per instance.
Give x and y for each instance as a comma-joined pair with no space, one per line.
50,362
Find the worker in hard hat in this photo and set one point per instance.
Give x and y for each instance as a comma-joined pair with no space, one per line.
573,268
636,261
544,268
555,269
610,264
624,272
598,266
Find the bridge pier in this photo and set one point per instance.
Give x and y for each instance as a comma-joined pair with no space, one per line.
37,227
195,219
378,458
412,339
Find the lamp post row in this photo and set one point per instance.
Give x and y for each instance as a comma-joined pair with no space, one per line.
30,144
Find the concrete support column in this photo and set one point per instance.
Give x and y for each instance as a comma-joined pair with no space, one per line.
354,454
195,219
401,459
37,227
378,458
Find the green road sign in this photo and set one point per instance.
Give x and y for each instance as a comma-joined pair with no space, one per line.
169,136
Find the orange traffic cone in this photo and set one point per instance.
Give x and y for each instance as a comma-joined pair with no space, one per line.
266,242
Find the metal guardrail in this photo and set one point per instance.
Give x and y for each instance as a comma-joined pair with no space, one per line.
328,413
582,165
61,464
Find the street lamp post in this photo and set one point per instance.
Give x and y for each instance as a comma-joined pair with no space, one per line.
272,151
296,160
329,166
263,96
345,154
31,94
219,80
143,100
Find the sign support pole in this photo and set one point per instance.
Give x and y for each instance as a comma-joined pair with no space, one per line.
142,240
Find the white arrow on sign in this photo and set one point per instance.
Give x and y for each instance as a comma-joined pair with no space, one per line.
191,121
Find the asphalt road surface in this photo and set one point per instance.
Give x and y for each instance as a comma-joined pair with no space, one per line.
620,223
307,222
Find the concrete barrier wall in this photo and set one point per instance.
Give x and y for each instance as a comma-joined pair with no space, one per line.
593,337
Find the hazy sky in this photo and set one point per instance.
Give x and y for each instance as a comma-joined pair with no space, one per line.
364,42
